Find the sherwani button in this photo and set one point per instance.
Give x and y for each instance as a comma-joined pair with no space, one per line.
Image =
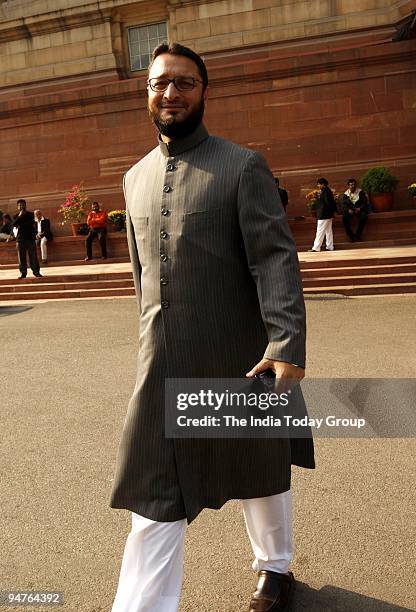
164,257
165,304
170,167
165,212
163,235
164,281
166,188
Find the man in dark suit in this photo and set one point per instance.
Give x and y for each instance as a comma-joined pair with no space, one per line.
282,193
24,224
43,234
219,296
325,211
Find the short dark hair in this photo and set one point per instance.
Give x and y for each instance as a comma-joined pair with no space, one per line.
322,181
96,203
21,201
276,180
177,49
351,180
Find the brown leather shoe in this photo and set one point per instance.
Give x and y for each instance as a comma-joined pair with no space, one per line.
274,592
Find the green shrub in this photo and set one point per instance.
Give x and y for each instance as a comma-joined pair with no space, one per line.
379,180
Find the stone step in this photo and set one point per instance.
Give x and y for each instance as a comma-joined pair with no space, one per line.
355,290
363,289
314,261
69,262
363,270
67,278
359,281
68,294
65,286
302,244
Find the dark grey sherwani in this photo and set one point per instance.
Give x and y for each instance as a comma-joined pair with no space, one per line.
218,287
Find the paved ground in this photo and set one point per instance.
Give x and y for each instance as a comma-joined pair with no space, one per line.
67,373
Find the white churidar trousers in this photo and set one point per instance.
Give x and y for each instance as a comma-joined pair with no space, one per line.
324,228
152,566
43,248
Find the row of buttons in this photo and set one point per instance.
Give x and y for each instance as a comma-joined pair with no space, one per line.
164,235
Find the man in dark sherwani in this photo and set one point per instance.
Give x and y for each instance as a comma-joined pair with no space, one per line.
220,296
24,226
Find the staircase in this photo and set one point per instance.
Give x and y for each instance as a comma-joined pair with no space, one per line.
349,273
385,275
68,286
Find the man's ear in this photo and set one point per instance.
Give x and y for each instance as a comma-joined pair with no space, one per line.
205,94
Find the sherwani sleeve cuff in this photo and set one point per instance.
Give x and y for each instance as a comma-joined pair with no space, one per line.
295,356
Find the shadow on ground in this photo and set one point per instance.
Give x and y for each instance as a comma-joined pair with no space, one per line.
11,310
334,599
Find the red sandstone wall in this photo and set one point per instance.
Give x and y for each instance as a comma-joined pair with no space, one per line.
330,113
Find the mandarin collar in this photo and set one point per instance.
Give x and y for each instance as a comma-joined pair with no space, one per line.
176,147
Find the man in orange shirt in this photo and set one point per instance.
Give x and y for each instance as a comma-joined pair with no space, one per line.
97,225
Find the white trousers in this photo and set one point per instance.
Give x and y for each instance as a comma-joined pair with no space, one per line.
324,229
152,566
43,248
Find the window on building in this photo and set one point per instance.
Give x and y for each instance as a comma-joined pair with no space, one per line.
142,41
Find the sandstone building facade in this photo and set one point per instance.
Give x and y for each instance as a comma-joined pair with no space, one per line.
318,86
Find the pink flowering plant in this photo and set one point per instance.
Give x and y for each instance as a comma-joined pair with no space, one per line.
75,206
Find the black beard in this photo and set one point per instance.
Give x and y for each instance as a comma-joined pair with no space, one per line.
179,129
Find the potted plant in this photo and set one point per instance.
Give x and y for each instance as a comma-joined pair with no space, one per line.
118,218
412,192
74,208
380,184
312,201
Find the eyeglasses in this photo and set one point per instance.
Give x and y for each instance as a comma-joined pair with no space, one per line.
160,84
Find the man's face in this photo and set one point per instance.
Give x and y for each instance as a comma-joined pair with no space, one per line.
38,215
95,207
21,207
352,186
320,186
176,113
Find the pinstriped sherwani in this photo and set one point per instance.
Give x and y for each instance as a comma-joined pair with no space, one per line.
218,287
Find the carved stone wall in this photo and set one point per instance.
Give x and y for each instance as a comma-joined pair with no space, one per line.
329,104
